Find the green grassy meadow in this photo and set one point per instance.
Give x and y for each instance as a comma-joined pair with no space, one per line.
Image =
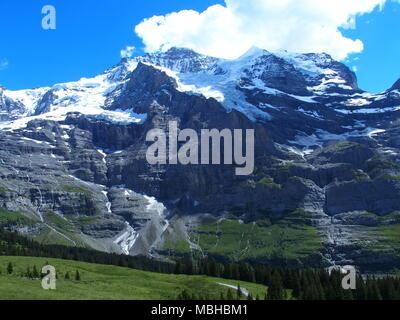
103,282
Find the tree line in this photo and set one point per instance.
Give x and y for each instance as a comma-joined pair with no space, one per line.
283,283
34,274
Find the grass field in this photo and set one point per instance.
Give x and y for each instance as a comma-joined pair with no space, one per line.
57,230
286,239
7,217
101,282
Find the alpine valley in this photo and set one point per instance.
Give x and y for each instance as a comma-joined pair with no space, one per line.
325,190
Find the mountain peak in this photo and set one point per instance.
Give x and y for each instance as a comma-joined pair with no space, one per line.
254,52
179,60
396,86
181,51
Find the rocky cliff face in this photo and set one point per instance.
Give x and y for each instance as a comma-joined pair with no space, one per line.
326,184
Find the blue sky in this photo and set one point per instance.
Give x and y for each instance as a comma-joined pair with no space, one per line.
91,33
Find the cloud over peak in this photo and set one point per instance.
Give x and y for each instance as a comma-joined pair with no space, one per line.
3,64
127,52
229,31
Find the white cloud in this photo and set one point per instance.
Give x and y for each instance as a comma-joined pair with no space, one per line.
229,31
127,52
354,68
3,64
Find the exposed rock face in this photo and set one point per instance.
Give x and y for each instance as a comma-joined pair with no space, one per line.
383,197
322,147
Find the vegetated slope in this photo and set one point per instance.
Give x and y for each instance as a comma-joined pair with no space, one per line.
302,284
101,282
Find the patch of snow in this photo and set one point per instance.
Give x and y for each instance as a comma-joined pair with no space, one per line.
313,114
368,110
108,203
86,96
375,132
122,117
356,102
103,154
127,240
36,141
306,141
266,106
29,98
156,206
303,98
222,87
244,291
322,136
302,153
160,209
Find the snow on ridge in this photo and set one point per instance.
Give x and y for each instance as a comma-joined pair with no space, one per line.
313,65
121,117
307,64
375,132
195,74
222,85
118,116
29,98
322,136
86,96
206,91
221,88
179,60
313,114
368,110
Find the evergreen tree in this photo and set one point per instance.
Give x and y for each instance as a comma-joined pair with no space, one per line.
28,273
348,295
373,291
361,289
389,290
189,267
296,286
178,268
77,276
213,269
35,273
319,291
184,295
235,272
275,290
239,292
227,271
10,268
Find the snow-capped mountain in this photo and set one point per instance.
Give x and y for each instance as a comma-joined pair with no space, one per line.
261,85
326,159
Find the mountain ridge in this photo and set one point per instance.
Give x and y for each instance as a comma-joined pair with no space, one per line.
325,189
